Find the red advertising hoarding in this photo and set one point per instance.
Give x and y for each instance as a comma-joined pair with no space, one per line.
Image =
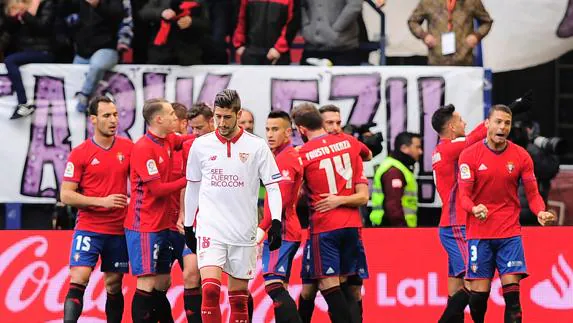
407,279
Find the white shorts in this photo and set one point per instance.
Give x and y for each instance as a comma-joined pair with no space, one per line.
237,261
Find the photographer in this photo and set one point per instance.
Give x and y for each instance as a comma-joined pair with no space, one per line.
543,151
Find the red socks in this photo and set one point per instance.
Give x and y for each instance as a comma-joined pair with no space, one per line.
239,310
210,310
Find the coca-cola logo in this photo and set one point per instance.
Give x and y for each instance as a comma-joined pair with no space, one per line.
38,282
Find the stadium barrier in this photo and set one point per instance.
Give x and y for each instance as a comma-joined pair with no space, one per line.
407,279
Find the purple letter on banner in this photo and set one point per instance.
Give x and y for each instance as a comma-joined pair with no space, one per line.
364,89
285,92
396,109
5,86
184,91
432,94
153,88
50,112
212,85
120,87
154,85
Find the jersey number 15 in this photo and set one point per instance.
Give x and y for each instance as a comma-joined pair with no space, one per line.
342,165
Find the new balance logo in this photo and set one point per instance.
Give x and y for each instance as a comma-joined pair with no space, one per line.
330,271
95,161
281,269
482,167
555,293
213,158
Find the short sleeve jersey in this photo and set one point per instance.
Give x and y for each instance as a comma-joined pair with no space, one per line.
445,165
332,164
495,177
229,172
150,160
100,172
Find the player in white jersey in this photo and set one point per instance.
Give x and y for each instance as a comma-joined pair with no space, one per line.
223,173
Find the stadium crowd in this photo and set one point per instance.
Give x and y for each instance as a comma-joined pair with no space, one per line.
103,33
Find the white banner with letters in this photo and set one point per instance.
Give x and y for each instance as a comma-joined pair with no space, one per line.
524,33
34,149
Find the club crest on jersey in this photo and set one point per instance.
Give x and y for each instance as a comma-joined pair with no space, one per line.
474,268
120,157
243,157
77,256
510,167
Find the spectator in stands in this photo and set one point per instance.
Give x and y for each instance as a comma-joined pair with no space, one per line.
96,41
223,17
177,31
330,31
247,120
450,37
265,30
125,34
28,28
395,191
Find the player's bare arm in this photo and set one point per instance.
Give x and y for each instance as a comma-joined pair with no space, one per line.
332,201
70,196
181,218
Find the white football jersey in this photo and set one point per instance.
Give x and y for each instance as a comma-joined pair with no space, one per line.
229,172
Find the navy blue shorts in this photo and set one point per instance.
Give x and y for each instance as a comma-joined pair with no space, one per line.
334,253
486,255
88,246
277,264
150,253
453,240
177,242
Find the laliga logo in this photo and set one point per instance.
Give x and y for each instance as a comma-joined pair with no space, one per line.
556,292
410,292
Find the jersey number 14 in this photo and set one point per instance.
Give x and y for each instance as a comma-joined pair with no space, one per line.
343,167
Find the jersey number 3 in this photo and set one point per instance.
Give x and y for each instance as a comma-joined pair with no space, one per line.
342,165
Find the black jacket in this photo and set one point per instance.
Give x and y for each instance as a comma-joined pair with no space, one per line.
151,13
265,24
97,27
33,33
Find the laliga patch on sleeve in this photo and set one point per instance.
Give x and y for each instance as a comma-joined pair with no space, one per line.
69,172
396,183
436,158
277,176
465,171
151,167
